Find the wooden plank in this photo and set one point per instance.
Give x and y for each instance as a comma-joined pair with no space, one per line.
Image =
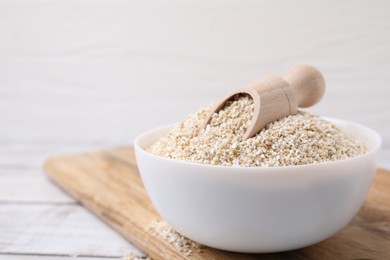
59,230
28,155
21,176
123,203
384,159
53,257
29,185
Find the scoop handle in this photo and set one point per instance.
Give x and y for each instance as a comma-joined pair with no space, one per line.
307,84
275,97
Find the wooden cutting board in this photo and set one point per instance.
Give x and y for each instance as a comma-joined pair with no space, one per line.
107,182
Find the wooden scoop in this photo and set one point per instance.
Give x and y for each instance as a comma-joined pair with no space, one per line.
275,97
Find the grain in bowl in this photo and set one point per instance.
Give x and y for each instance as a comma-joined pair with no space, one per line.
297,139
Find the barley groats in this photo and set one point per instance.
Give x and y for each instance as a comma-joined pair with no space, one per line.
294,140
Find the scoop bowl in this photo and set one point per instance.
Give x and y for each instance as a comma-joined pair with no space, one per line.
258,209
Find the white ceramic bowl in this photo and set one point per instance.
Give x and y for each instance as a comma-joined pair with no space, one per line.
258,209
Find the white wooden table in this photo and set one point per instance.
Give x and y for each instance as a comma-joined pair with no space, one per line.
39,221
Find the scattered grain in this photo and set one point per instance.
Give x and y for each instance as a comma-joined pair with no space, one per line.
134,257
181,243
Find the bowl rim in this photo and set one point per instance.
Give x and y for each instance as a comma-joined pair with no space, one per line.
375,136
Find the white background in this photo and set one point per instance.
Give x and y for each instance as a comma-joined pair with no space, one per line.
104,71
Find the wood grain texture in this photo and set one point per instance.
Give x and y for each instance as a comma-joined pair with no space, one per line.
82,70
108,183
32,225
58,230
21,177
29,186
53,257
20,155
276,97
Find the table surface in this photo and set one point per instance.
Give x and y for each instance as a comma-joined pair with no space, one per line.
40,221
72,71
